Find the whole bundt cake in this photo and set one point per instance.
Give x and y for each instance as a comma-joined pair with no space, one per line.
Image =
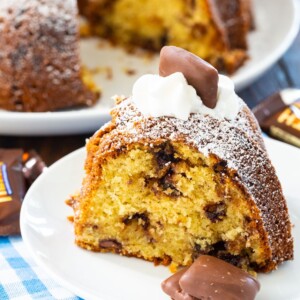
215,30
39,57
167,184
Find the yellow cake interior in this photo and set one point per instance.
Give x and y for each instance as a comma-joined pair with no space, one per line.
192,25
169,203
88,80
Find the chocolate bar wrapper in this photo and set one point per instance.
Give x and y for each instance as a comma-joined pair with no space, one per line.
18,170
12,190
279,116
33,166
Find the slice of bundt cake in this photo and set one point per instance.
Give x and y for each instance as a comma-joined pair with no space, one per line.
169,179
214,30
39,57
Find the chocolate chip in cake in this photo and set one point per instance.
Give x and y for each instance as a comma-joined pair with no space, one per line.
167,182
215,211
164,155
247,219
110,244
255,266
199,30
220,250
220,167
213,249
164,38
191,4
163,158
142,219
217,247
120,150
236,260
198,250
168,185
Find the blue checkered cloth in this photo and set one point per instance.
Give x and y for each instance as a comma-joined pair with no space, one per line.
21,278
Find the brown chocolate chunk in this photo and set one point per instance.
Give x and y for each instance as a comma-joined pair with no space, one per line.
220,167
168,185
213,249
236,260
143,217
165,155
215,211
12,190
198,73
212,278
110,244
220,251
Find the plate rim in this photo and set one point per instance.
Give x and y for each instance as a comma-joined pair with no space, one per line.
42,263
39,261
269,61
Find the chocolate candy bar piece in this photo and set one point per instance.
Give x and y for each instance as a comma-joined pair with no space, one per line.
172,288
12,190
211,278
198,73
279,116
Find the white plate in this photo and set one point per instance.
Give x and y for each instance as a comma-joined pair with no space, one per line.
277,23
50,239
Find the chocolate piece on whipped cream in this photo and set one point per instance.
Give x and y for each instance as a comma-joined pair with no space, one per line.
211,278
198,73
279,115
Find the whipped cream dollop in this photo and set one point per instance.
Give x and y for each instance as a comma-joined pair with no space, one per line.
172,96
